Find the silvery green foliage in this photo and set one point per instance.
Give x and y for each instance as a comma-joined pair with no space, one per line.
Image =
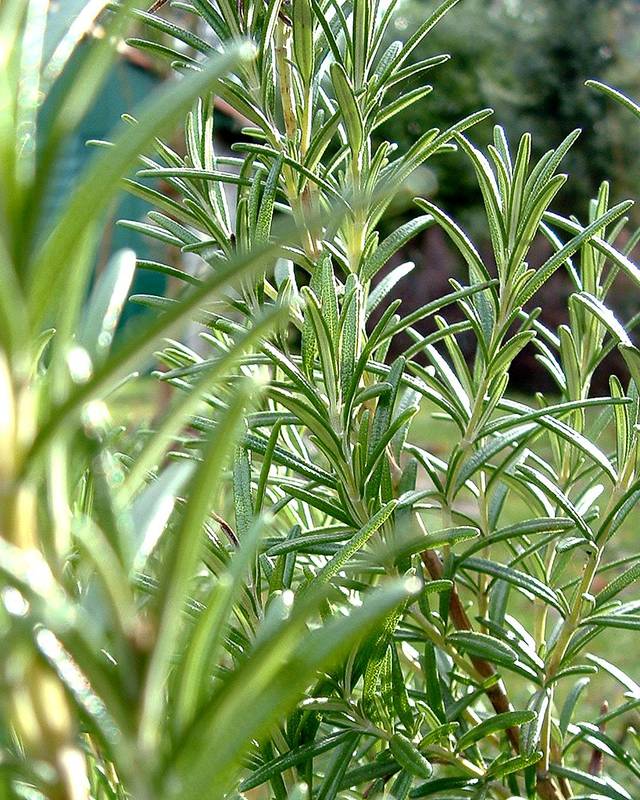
472,688
301,598
119,657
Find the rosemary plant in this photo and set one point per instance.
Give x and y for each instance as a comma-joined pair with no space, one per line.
459,693
278,588
110,628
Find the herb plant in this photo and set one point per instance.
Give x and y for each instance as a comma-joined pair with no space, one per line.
357,615
110,629
457,693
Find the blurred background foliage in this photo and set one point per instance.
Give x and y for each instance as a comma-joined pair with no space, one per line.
528,60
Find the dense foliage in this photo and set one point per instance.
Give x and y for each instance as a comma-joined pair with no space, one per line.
278,586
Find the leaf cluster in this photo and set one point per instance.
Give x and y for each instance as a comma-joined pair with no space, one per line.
276,585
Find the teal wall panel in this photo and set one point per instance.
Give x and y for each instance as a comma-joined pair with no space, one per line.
125,87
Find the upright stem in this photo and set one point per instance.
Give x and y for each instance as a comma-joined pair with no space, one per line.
295,197
571,623
497,694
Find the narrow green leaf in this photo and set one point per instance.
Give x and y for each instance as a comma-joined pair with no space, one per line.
522,581
242,499
484,646
205,641
586,234
356,543
500,722
604,787
292,758
409,757
105,305
265,214
383,287
303,39
392,244
349,108
619,583
615,95
180,567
